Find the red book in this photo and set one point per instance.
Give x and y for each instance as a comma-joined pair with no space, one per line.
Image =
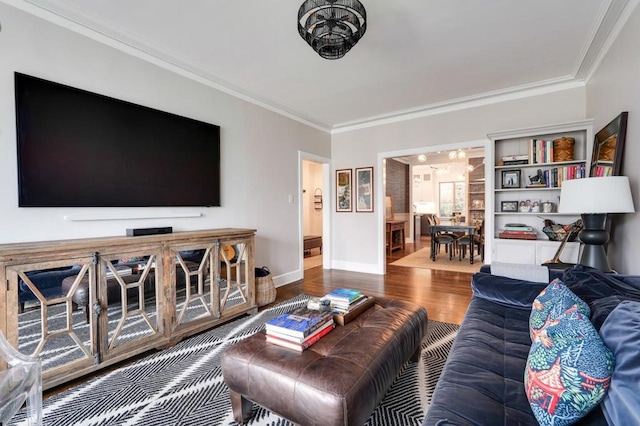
300,346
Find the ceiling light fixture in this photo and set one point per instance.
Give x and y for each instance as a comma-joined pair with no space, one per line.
457,155
422,158
332,27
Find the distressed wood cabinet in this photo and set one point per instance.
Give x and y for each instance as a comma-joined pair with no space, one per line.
122,295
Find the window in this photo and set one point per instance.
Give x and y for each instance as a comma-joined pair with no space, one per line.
452,198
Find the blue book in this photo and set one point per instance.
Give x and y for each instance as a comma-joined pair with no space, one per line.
343,295
299,323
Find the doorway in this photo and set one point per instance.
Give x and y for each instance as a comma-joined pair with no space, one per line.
315,207
455,166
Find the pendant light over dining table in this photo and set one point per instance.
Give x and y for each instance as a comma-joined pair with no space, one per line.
332,27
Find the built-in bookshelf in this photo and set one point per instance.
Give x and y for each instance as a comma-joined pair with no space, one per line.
529,166
476,191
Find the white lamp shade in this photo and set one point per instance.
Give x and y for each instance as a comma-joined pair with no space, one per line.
610,194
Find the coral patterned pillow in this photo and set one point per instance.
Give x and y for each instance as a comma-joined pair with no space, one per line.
568,370
554,301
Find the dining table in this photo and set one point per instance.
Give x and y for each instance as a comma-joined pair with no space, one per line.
451,227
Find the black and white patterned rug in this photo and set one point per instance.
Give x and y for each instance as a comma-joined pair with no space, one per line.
183,385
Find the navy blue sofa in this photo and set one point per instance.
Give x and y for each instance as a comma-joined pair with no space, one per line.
482,381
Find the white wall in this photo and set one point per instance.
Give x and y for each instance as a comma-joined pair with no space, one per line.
259,148
615,87
357,239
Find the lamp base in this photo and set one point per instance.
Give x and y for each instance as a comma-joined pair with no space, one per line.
594,237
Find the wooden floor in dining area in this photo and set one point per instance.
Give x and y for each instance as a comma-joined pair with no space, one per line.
445,294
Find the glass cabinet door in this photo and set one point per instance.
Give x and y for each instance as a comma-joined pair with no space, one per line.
50,324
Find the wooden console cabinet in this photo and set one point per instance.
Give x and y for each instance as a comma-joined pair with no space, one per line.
143,293
395,235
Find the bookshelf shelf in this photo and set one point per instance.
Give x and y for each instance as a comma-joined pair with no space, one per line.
519,143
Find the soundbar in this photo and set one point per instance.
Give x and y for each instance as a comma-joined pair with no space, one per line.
136,232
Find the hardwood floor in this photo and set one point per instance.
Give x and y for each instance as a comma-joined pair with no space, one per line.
445,294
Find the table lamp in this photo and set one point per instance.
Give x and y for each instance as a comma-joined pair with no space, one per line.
593,198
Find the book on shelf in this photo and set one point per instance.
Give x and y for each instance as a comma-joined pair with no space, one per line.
514,162
517,236
510,231
282,341
301,322
517,227
540,151
342,318
517,157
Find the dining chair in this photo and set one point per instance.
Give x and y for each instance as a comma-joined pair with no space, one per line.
478,241
448,240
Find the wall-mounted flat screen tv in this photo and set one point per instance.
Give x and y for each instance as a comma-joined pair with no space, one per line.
81,149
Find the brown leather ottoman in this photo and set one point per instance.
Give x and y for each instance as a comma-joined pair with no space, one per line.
337,381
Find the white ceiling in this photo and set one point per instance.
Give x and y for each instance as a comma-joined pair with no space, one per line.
416,56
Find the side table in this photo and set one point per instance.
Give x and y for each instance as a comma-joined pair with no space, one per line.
395,235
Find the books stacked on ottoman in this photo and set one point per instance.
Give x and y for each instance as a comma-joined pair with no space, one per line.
348,304
300,329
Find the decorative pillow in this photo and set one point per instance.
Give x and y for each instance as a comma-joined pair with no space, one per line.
621,333
568,370
554,301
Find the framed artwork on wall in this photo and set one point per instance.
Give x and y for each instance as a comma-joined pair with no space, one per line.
364,189
343,190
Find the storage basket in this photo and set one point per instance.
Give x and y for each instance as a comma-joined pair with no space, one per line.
563,149
265,288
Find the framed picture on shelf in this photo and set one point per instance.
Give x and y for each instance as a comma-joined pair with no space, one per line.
343,190
364,189
511,179
477,204
529,206
508,206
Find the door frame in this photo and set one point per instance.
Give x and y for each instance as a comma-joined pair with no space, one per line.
326,210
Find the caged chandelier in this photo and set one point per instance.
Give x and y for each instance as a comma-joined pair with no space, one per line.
332,27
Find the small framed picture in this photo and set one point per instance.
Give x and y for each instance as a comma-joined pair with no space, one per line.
343,190
508,206
511,179
364,189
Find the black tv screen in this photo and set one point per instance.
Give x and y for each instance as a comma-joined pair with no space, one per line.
81,149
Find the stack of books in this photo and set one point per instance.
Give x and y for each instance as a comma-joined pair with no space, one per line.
300,329
344,299
511,160
347,304
518,231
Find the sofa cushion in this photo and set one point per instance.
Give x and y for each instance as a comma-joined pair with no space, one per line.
505,291
555,301
535,273
568,369
621,333
482,381
602,292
